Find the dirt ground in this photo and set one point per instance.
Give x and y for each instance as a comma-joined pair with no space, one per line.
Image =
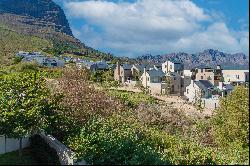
175,101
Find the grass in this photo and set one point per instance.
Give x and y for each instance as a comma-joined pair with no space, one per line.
12,158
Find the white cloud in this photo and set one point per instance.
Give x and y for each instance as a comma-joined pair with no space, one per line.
155,26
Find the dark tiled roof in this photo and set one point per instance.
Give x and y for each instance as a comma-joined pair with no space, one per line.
155,72
142,66
126,66
203,67
204,84
240,67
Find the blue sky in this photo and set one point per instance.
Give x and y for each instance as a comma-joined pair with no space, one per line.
135,27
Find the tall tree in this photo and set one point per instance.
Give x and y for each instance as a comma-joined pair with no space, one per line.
24,105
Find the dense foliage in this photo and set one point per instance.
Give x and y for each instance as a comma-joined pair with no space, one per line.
25,104
120,127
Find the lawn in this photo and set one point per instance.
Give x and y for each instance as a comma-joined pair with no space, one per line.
13,159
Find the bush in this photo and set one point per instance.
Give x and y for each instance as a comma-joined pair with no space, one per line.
42,152
132,99
125,141
231,120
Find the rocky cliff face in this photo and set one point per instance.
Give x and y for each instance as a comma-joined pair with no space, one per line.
208,57
40,11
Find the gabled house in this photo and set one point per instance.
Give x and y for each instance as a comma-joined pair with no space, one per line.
122,72
138,69
199,89
154,80
173,66
203,92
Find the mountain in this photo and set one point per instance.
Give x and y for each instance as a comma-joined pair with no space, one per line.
44,11
209,57
42,20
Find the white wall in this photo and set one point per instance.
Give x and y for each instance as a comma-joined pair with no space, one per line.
230,75
210,103
12,144
187,73
192,91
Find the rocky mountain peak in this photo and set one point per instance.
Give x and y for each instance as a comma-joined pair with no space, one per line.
41,10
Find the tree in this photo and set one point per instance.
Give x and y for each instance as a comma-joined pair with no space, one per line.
231,120
24,105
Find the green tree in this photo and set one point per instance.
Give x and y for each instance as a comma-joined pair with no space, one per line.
24,105
231,120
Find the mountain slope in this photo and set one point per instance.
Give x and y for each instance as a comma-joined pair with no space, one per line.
45,11
209,57
47,21
12,42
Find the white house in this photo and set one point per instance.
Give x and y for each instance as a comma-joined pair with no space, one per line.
153,80
199,89
173,66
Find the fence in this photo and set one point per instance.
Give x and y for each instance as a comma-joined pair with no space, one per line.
11,144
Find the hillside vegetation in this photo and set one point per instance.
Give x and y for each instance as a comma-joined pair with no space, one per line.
11,42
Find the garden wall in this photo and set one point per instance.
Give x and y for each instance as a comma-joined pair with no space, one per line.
12,144
66,156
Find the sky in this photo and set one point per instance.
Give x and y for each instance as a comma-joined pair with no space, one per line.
135,27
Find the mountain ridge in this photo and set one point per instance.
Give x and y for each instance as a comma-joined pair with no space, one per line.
211,57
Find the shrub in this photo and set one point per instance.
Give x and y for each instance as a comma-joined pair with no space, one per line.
42,152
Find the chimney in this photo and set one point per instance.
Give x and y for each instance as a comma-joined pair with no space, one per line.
118,68
145,70
218,67
192,82
221,85
155,67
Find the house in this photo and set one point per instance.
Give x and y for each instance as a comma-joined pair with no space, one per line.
93,66
49,62
235,74
224,89
203,72
199,89
173,66
138,69
122,72
175,82
205,93
154,80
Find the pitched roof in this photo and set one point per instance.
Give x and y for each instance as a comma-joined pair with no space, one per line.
126,66
154,72
240,67
142,66
204,84
202,66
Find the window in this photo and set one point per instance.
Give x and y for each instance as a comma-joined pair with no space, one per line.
187,91
148,78
201,70
237,76
202,77
170,66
